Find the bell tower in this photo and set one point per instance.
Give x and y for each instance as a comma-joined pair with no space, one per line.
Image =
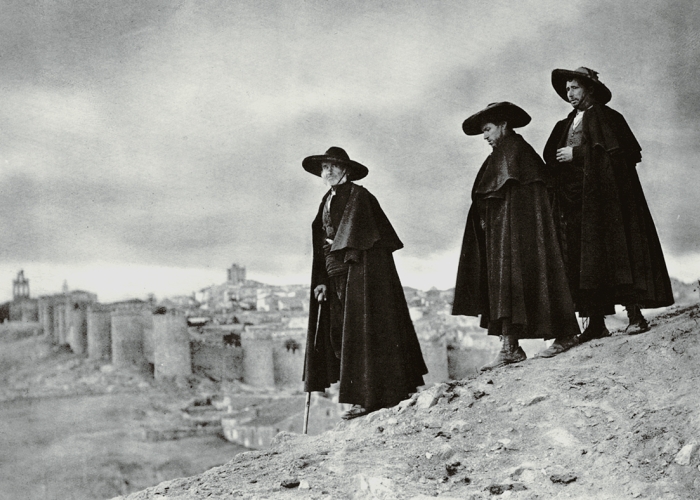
20,287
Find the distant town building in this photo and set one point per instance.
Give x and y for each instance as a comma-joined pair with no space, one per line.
183,302
265,300
85,297
286,298
227,297
236,274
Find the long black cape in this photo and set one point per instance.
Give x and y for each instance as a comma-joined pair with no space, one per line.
381,362
510,268
620,249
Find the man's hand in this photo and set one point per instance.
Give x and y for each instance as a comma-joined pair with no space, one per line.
320,293
565,155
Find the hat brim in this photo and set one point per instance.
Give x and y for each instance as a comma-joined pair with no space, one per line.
601,93
355,171
514,115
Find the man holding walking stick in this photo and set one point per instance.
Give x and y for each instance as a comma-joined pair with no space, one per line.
360,332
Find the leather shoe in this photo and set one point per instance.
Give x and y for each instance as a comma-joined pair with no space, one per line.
637,323
354,412
639,326
506,357
593,333
559,346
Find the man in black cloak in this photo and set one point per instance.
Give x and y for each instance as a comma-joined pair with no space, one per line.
365,336
510,269
608,238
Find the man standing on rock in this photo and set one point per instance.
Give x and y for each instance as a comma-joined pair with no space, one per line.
510,269
608,238
363,335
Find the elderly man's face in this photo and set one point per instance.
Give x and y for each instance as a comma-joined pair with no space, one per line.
332,174
493,133
576,93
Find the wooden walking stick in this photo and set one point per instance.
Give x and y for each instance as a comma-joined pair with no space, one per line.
308,394
306,412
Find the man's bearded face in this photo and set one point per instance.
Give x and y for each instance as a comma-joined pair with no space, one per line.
493,133
332,174
576,93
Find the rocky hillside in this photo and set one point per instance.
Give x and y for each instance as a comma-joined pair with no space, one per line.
612,419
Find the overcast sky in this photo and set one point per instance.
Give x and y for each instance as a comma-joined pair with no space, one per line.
148,145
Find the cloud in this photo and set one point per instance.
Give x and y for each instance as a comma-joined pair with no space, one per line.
159,134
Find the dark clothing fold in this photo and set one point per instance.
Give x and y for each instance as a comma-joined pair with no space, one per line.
510,268
609,242
366,339
513,160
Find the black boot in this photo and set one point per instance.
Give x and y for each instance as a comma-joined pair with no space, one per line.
510,353
595,330
637,322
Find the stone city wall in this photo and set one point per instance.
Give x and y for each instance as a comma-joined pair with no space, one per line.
129,335
171,346
127,338
288,350
77,330
99,332
218,361
258,359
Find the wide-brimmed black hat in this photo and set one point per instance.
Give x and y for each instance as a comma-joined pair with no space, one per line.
496,112
355,171
601,93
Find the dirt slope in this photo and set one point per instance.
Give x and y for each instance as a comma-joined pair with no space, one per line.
612,419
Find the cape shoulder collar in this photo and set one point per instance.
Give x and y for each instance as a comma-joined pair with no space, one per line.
513,159
357,228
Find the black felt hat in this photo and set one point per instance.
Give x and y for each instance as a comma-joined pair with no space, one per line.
496,112
601,93
355,171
